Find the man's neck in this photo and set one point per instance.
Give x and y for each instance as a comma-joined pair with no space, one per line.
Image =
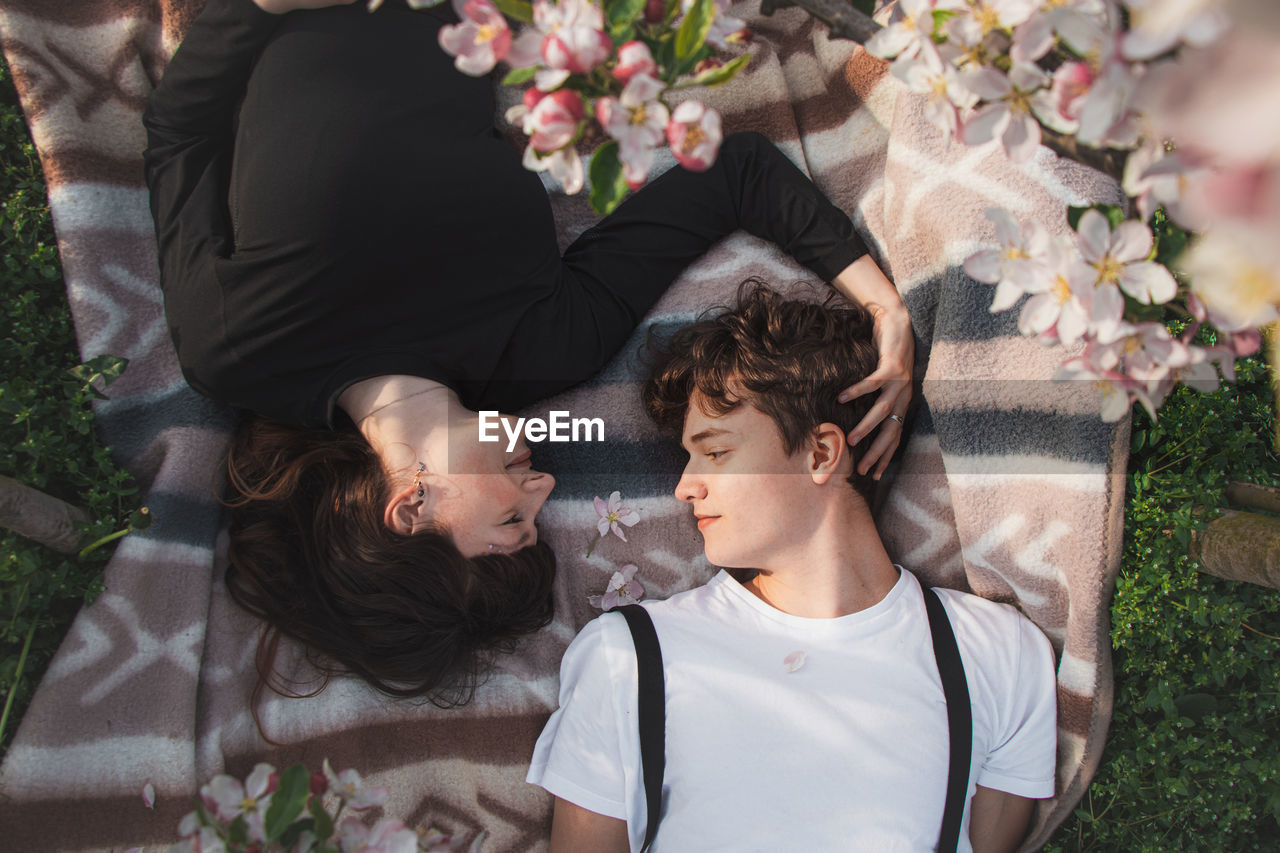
841,568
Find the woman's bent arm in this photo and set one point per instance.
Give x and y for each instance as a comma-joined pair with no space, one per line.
189,121
575,829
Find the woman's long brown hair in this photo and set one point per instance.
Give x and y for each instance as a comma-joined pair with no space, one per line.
309,553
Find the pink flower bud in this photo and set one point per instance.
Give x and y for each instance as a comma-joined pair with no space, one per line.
1071,85
655,11
553,121
707,64
634,58
576,49
319,784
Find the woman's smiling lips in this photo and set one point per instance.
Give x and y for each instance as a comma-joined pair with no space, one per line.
521,461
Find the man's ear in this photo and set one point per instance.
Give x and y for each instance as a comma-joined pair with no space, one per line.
828,453
406,511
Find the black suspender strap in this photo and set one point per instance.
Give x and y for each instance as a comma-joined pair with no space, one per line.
959,719
652,716
651,712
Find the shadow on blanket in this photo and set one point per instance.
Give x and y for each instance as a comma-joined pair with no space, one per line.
1010,486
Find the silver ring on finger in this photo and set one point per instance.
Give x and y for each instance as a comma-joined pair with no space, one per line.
899,419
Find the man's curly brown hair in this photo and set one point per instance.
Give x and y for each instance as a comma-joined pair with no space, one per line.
788,358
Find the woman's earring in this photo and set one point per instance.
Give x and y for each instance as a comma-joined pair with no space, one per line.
495,549
419,489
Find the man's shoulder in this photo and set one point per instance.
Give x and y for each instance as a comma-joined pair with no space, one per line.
993,632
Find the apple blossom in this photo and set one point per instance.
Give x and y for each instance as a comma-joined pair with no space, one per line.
1156,26
634,58
564,165
612,513
974,19
574,38
480,41
553,120
623,589
940,83
1120,258
1154,177
386,836
1236,275
911,30
229,799
637,121
351,788
1065,307
1008,115
1015,266
1115,389
694,135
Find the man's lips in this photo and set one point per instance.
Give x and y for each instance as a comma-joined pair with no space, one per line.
705,520
521,461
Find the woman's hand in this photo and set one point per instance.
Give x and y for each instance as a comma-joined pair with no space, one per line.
863,282
892,378
279,7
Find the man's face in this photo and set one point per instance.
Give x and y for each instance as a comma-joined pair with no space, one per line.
753,501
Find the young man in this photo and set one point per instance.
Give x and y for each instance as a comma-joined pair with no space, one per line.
804,706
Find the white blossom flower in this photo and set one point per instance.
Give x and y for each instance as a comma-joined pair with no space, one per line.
612,513
1008,115
1236,275
1015,267
623,589
1120,258
1156,26
911,30
351,788
386,836
940,83
638,121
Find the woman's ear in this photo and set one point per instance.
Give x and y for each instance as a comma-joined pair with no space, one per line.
828,453
408,509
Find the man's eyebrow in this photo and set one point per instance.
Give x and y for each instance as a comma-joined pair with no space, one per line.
710,432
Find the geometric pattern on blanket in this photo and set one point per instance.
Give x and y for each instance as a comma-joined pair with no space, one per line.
1010,485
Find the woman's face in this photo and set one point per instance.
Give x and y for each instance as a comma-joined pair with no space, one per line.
486,496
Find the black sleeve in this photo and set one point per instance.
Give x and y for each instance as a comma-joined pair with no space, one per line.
189,121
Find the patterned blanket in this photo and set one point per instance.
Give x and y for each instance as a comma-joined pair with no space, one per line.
1010,485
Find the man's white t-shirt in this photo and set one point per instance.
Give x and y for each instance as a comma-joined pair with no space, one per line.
847,751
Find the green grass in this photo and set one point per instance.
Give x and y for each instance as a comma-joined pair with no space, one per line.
46,428
1192,762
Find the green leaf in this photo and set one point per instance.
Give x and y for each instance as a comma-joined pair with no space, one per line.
866,7
516,76
1083,816
608,184
288,801
519,10
621,14
693,30
323,822
1196,705
721,74
290,837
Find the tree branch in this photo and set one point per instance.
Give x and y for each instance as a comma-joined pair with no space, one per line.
39,517
844,21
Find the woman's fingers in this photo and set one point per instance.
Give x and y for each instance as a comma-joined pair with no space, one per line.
895,394
881,450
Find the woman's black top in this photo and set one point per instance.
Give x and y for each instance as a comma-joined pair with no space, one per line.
333,203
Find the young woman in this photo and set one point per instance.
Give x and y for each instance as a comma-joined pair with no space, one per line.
350,250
